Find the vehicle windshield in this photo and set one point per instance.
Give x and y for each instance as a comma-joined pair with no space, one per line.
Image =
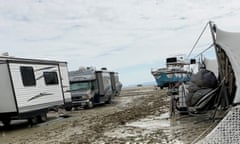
80,85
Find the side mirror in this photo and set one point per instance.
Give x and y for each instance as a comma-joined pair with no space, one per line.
92,86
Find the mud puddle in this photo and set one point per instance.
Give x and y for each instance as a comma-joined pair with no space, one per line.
141,127
160,129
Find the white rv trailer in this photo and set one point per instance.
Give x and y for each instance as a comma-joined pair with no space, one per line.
30,87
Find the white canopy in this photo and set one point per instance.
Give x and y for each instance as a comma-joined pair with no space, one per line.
230,42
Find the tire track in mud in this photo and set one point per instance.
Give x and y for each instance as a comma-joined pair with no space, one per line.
93,125
147,105
89,126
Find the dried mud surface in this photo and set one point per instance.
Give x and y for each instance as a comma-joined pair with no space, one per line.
136,116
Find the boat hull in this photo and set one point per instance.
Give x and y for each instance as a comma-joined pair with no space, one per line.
164,79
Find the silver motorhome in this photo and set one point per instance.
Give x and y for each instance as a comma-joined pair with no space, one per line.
89,87
30,87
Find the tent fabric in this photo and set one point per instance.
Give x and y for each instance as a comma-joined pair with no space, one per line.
228,130
230,43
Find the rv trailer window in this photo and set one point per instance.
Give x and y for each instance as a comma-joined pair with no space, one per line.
50,78
28,77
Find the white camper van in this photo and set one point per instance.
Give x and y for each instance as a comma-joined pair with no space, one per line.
30,87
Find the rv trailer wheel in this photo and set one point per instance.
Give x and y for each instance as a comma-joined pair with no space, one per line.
6,122
42,117
32,120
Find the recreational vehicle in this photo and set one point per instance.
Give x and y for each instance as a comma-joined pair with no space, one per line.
89,87
30,87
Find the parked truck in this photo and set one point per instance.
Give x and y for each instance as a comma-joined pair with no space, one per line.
89,87
29,88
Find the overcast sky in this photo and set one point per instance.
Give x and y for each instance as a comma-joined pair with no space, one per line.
127,36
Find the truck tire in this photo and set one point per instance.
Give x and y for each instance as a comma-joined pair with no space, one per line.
90,104
109,101
68,108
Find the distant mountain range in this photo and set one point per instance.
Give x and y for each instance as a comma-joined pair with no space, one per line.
150,83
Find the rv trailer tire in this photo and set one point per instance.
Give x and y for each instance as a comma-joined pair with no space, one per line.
6,122
32,120
42,117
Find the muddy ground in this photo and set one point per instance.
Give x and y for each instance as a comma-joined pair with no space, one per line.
138,115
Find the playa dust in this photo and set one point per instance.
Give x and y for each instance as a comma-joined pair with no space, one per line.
138,115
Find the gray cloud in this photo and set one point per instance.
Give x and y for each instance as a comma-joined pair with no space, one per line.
117,34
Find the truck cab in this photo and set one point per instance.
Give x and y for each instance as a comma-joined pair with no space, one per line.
82,93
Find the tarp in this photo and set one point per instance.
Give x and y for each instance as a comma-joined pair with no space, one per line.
201,84
230,43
